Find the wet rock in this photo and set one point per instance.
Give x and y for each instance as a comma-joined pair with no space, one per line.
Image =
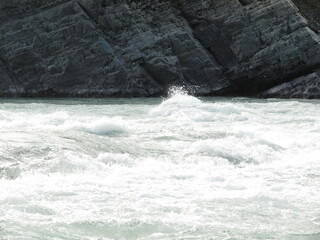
307,86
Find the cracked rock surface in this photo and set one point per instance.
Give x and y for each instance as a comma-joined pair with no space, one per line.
303,87
130,48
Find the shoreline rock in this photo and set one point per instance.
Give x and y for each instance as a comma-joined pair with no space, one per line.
102,48
307,87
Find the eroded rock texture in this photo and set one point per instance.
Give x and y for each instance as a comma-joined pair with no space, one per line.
140,48
303,87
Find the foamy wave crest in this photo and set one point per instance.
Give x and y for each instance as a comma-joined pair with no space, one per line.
236,150
68,162
62,120
37,121
102,126
115,158
179,104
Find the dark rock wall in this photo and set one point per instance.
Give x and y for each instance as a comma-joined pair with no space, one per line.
259,43
310,9
140,48
307,86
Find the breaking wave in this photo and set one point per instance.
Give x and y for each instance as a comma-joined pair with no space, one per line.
63,121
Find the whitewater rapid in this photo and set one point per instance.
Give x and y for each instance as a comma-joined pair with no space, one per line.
175,168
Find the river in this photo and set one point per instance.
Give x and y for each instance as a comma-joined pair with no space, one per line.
175,168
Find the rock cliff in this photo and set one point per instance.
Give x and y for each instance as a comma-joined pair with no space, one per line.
102,48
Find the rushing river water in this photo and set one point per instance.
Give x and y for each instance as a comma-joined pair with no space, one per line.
180,168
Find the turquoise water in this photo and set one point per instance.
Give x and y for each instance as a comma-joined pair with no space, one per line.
176,168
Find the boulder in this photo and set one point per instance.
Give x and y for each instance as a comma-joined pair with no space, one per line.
307,87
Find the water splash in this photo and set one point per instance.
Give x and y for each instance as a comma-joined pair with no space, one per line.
179,104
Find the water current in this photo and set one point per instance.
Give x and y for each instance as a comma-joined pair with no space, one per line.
175,168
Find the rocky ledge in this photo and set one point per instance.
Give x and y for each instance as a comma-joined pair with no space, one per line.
103,48
303,87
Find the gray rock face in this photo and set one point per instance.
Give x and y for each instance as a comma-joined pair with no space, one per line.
310,9
140,48
258,42
303,87
61,51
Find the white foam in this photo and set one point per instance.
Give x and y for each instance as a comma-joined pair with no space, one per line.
101,126
62,120
235,150
179,105
184,169
114,158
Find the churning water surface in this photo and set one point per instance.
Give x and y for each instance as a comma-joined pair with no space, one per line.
179,168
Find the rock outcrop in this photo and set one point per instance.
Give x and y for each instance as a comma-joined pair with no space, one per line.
133,48
303,87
